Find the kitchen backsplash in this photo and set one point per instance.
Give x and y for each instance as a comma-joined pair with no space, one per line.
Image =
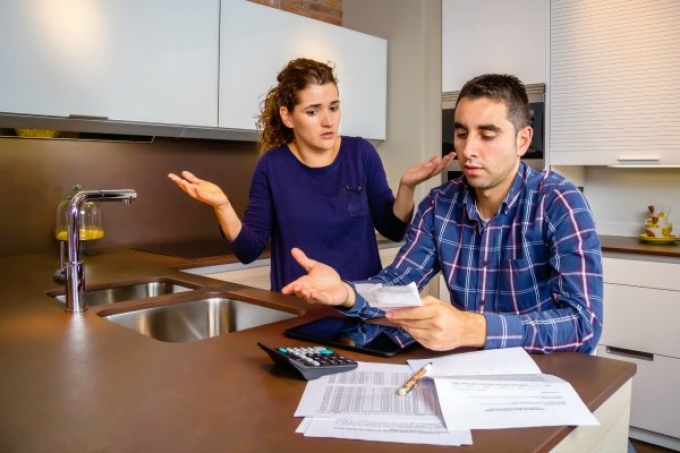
37,173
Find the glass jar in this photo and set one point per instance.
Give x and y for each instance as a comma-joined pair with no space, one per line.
90,219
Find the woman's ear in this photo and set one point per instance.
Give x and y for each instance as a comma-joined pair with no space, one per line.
524,137
286,117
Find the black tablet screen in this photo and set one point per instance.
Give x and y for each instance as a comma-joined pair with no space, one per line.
351,333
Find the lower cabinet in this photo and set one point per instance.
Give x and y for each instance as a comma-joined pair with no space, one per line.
641,309
256,276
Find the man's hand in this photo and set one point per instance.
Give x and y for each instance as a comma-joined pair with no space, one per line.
322,284
439,326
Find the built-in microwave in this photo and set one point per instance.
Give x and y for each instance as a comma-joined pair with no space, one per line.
535,153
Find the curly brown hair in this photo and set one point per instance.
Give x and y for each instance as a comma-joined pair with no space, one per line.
293,78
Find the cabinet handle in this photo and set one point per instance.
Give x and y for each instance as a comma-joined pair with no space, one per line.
630,353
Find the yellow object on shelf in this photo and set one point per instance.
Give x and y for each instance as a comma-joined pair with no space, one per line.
85,234
38,133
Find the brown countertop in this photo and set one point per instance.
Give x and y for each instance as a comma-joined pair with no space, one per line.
634,246
80,383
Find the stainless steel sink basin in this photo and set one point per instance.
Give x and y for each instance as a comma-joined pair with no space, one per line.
197,319
130,291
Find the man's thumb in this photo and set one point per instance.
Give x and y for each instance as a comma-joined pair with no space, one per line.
306,263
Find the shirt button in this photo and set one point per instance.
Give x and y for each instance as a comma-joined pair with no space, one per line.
485,263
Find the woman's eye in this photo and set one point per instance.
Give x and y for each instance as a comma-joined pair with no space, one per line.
312,112
335,108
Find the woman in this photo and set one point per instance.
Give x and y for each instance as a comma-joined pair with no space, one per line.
313,188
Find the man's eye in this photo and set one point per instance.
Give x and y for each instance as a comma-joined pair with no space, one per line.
335,108
488,137
461,134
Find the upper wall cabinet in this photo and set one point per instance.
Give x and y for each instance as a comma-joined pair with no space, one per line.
152,61
614,78
256,42
491,36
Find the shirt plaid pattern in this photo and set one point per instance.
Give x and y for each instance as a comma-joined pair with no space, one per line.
534,270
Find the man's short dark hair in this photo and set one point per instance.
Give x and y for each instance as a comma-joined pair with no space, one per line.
507,89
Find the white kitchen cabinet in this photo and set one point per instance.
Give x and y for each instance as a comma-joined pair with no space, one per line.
256,42
614,73
641,309
255,274
493,36
152,61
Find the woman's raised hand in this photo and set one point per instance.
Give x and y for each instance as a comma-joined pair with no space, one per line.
204,191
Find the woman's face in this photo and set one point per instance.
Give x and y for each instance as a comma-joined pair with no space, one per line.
316,117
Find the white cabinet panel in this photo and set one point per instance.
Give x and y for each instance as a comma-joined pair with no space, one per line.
482,36
656,399
608,63
641,319
257,277
149,61
253,51
641,308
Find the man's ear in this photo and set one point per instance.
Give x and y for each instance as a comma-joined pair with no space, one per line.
524,137
286,117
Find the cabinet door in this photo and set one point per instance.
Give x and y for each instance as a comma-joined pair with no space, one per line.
152,61
478,37
257,277
609,63
256,42
655,403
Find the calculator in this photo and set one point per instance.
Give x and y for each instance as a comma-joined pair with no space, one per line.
310,362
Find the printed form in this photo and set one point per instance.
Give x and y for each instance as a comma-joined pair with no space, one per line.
364,404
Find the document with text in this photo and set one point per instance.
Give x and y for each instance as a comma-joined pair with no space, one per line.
364,404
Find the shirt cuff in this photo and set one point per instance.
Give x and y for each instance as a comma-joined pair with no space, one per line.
503,331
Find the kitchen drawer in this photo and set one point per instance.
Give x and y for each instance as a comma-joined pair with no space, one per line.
647,274
655,404
641,319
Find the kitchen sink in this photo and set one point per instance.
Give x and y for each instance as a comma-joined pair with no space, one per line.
129,291
197,319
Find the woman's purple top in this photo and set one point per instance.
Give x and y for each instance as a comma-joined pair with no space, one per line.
331,213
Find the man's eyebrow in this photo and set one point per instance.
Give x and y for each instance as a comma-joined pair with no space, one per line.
483,127
489,127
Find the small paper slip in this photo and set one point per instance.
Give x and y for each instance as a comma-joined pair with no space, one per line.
388,298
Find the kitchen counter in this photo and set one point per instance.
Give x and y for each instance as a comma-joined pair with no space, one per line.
634,246
78,383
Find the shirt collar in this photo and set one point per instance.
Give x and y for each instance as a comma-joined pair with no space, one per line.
509,200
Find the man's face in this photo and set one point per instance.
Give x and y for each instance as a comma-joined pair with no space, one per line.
487,145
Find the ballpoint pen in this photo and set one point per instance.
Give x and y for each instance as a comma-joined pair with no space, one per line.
415,379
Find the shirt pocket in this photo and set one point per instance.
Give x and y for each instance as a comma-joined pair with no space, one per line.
357,201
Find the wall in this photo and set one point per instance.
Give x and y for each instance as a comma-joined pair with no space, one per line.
37,173
413,31
325,10
619,197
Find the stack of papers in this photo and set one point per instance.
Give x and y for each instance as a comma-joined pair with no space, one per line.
477,390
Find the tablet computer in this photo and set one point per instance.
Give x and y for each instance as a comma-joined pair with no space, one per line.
353,334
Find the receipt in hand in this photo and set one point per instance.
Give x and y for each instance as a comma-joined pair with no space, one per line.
389,297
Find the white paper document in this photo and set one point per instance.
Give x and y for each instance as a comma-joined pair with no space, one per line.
502,388
481,363
520,401
385,431
389,297
364,404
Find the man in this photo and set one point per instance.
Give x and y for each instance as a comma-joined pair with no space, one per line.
517,248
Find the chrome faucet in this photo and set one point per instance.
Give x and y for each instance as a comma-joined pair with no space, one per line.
72,272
